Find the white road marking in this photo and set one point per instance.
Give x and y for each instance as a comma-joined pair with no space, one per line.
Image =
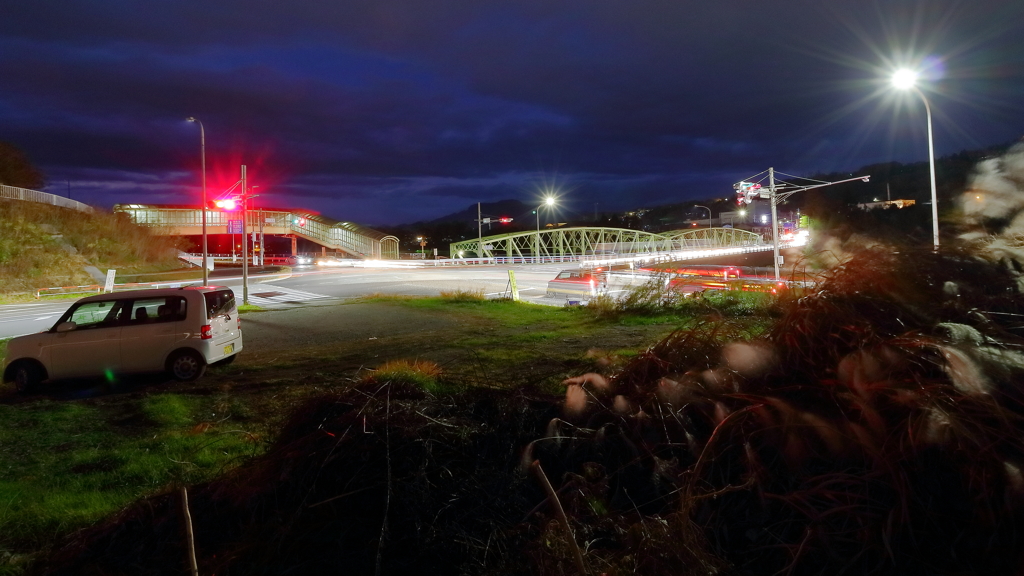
285,296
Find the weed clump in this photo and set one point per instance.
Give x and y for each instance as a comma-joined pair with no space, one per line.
876,428
461,295
658,296
421,374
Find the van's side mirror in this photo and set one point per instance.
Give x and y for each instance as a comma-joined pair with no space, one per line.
66,326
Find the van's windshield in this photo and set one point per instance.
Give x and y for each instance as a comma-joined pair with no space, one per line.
219,302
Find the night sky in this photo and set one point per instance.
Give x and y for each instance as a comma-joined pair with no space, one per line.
384,112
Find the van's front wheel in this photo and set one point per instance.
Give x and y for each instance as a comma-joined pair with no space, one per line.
186,365
26,377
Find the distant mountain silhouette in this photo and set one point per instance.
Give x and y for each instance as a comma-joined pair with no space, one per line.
510,208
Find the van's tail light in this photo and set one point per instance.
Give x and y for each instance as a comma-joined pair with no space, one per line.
239,319
206,332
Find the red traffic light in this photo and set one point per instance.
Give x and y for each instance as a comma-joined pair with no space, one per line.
504,219
226,204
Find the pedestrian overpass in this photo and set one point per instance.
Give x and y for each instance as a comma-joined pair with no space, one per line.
581,242
355,240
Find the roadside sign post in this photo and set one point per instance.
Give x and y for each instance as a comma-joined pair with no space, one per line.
513,287
109,285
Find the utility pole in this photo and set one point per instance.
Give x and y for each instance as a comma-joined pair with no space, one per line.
750,189
479,233
775,220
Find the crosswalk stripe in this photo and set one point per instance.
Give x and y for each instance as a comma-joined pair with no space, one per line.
279,295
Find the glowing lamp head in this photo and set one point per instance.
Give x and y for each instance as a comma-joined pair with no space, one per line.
904,79
549,201
191,119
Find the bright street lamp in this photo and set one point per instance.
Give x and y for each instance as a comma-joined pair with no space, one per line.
202,154
549,201
904,79
709,213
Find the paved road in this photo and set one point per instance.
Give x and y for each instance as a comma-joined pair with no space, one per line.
311,284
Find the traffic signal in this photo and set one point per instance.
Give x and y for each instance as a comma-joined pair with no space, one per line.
504,219
227,204
746,192
299,221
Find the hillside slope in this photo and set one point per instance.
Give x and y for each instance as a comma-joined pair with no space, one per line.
42,246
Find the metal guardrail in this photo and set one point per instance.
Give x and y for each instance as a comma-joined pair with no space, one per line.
98,288
15,193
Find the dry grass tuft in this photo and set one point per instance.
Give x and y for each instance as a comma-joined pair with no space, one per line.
876,429
461,295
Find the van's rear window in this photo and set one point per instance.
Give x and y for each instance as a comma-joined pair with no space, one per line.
219,302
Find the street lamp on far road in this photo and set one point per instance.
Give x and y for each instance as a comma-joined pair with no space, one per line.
904,79
202,155
549,202
709,213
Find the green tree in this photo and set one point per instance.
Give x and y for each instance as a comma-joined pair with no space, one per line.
17,170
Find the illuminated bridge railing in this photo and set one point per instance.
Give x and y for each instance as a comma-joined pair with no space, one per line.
582,242
358,241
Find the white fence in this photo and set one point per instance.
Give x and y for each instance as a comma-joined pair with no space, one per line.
14,193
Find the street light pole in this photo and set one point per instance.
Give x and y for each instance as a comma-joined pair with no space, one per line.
549,201
202,156
931,168
906,80
245,241
709,213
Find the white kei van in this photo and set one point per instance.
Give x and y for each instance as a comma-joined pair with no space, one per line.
176,330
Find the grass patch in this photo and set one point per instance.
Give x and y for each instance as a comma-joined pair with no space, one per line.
423,374
169,410
247,308
68,463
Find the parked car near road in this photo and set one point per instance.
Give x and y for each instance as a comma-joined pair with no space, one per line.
179,331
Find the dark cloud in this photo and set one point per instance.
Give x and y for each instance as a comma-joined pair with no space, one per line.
384,112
